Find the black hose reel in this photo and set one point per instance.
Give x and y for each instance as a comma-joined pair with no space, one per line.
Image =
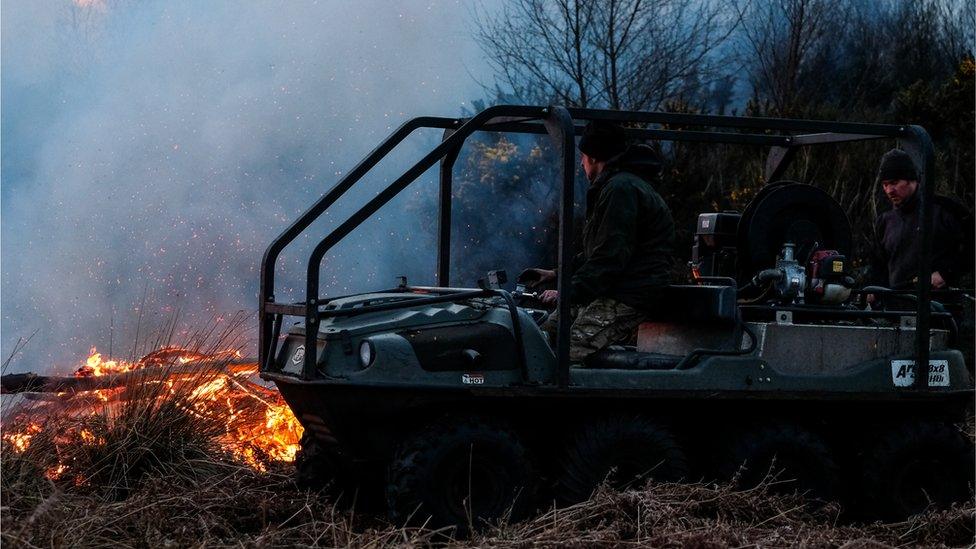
788,211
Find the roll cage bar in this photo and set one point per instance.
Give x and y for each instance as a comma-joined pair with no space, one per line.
562,125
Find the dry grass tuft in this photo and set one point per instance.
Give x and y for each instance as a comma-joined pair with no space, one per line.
699,515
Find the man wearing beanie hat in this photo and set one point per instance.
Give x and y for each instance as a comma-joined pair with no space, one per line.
628,237
895,264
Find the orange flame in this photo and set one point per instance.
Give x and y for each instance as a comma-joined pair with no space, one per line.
258,426
96,366
55,473
21,440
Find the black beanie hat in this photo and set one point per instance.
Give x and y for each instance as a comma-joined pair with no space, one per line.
602,140
897,164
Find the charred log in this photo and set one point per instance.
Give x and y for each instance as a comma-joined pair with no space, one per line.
33,383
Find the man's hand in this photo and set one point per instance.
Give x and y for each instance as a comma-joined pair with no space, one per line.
549,296
534,278
937,280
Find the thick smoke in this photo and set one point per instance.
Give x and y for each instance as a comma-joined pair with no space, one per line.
156,148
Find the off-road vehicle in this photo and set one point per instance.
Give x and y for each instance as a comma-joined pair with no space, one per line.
456,403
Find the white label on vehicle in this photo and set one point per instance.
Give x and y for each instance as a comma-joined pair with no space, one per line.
903,373
472,379
299,355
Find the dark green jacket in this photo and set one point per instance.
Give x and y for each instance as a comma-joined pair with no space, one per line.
628,236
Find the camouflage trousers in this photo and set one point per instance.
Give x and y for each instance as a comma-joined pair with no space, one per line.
597,325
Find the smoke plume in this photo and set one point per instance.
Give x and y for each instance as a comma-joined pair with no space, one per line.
155,149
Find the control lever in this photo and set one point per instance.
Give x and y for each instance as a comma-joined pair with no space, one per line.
494,281
539,315
521,293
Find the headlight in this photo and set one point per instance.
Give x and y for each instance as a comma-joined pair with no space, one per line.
365,353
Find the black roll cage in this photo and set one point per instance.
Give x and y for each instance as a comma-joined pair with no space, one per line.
783,136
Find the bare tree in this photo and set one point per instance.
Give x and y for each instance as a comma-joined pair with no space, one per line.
783,42
850,54
652,51
539,48
957,27
926,38
621,54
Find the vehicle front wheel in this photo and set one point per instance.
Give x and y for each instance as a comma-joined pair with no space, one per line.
465,472
322,468
314,467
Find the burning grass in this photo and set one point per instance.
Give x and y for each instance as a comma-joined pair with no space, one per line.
112,450
202,393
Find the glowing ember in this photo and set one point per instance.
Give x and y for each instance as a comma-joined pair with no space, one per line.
55,472
87,436
258,426
21,440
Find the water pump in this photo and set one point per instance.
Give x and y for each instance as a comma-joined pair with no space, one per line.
824,280
787,279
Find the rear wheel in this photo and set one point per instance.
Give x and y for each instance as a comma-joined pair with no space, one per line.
460,472
622,451
914,466
797,459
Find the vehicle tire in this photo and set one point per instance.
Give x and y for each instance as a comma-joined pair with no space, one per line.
798,459
911,466
315,469
464,472
321,468
622,451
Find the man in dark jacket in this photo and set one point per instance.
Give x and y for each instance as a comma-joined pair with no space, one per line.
628,238
895,264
